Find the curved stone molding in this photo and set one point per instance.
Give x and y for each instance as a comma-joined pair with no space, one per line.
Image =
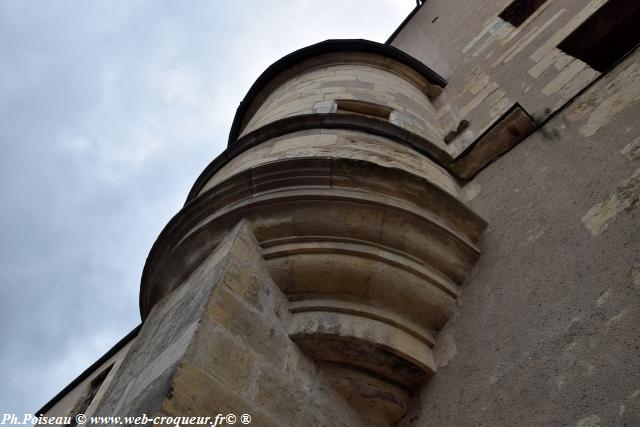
348,144
350,242
354,307
316,122
370,344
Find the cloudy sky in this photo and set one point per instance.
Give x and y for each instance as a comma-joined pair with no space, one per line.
109,110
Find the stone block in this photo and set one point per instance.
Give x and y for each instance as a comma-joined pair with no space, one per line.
222,358
194,391
325,107
254,331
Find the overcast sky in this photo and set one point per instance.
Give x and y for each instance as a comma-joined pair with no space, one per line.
109,110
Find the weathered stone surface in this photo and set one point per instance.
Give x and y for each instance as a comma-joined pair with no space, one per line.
292,405
358,80
339,144
505,133
146,372
347,331
219,356
554,307
326,305
234,357
379,403
260,338
195,392
338,215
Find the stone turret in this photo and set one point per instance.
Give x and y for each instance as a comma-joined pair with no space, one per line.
332,166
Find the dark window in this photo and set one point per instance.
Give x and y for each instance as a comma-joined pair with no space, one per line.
607,35
83,404
519,10
362,108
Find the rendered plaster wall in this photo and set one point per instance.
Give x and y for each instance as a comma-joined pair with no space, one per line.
547,331
353,81
490,64
219,344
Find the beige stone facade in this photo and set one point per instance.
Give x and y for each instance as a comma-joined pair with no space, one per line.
384,243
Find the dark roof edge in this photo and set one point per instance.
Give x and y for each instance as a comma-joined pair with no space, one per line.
91,369
403,24
327,46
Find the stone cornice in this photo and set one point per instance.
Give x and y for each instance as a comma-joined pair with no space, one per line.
321,121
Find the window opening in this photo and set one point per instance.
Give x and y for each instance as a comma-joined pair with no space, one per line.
81,408
519,10
606,36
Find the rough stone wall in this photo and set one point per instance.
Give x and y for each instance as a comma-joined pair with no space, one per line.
548,325
490,64
218,344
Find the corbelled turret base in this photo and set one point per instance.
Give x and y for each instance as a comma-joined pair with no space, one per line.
221,341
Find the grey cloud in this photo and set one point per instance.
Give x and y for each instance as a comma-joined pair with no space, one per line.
109,110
